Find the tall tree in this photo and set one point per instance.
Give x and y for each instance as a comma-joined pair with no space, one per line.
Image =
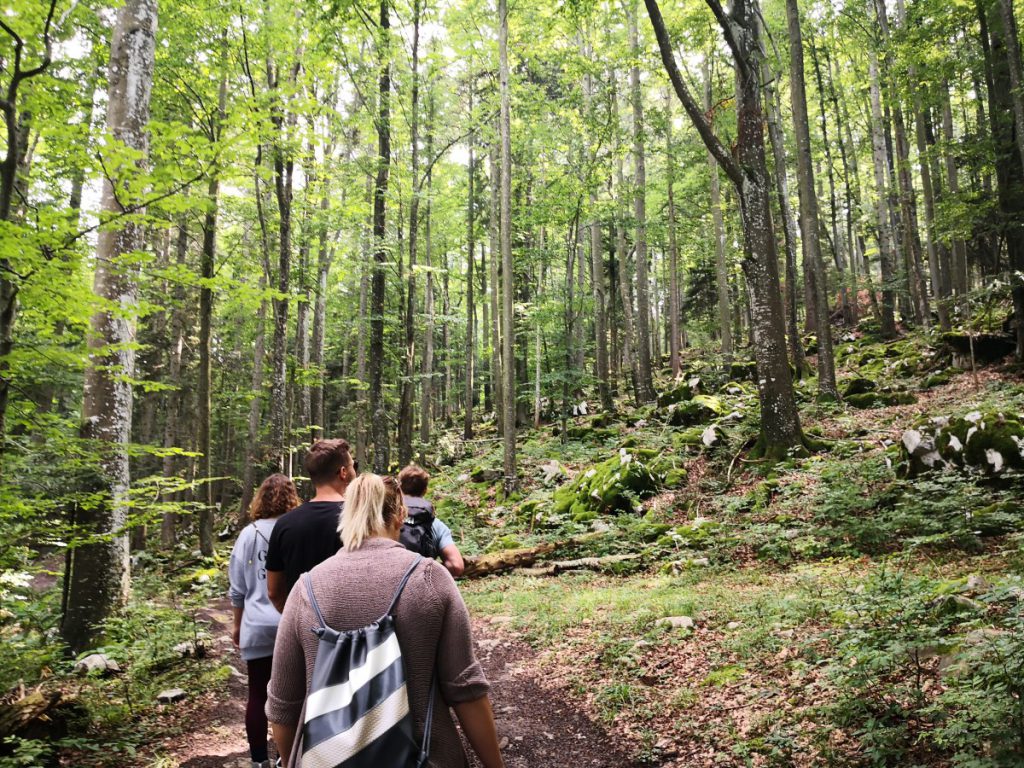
378,409
718,231
98,580
780,421
505,236
643,304
809,217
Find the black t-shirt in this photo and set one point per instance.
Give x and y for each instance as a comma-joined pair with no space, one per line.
304,538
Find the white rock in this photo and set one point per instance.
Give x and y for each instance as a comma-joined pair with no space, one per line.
995,458
955,444
911,439
97,662
976,583
676,622
733,625
170,695
709,437
974,417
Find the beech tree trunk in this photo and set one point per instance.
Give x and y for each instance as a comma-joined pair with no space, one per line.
796,345
809,216
721,267
885,242
378,412
780,421
467,426
405,417
645,383
98,577
494,255
674,335
508,310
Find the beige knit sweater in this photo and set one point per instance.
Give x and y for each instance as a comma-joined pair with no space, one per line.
432,623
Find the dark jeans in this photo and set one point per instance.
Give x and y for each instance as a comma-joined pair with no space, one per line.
255,709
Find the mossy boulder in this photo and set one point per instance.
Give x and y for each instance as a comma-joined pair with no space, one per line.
990,443
997,519
687,438
587,433
613,486
680,392
699,410
938,379
743,371
880,399
858,386
485,475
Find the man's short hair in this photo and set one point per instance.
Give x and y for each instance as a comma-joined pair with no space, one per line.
414,480
325,458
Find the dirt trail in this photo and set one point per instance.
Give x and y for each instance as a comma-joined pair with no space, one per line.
539,727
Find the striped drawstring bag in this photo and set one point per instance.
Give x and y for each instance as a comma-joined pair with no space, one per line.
357,710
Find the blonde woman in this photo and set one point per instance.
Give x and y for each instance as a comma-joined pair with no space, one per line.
353,589
255,618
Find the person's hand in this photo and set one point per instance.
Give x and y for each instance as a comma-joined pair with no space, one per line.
236,632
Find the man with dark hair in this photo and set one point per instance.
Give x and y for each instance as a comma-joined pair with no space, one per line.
422,531
308,535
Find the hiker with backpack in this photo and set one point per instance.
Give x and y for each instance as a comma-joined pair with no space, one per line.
374,647
255,618
423,532
309,535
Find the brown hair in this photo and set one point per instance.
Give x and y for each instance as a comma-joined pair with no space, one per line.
371,504
414,480
325,458
275,496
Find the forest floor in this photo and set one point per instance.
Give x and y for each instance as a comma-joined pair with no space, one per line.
538,722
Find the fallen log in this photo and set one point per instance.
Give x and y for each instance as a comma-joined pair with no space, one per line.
506,560
17,716
584,563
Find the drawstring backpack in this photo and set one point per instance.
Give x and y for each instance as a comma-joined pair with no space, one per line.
356,713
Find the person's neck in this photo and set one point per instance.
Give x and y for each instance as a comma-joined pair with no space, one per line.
329,493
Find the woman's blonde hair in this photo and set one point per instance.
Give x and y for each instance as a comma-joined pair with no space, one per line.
371,503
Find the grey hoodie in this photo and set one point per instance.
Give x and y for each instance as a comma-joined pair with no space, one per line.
247,573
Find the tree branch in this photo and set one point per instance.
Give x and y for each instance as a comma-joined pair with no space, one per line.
700,122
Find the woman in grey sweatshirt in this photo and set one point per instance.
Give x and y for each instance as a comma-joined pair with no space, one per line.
255,618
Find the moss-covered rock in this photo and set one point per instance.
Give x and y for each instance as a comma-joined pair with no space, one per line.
699,410
990,443
938,379
858,386
587,433
613,486
880,399
680,392
743,371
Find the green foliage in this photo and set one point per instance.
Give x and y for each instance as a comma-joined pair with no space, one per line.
920,674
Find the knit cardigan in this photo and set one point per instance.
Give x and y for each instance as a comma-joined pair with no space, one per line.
432,624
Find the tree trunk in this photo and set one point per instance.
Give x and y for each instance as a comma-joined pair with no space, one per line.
405,416
885,243
467,427
98,578
378,411
427,367
958,268
505,227
674,335
796,345
780,421
494,252
809,216
643,308
1009,158
721,267
175,398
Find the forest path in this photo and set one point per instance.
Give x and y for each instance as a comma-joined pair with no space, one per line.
540,726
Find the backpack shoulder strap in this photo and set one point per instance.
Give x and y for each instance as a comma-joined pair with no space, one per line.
401,585
312,600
